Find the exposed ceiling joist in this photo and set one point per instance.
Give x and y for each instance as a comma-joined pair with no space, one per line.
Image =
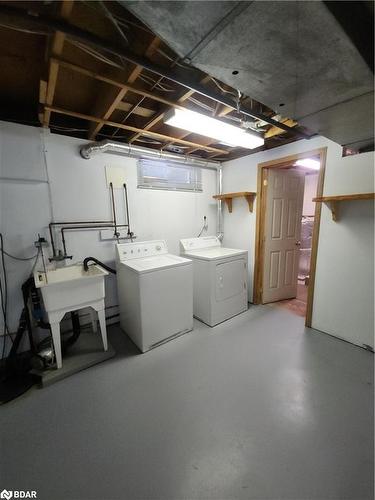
148,133
141,111
117,49
131,88
57,49
108,103
157,119
271,132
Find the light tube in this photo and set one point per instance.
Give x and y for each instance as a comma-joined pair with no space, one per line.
210,127
308,163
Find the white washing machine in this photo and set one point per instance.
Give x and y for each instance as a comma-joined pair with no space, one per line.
220,279
155,291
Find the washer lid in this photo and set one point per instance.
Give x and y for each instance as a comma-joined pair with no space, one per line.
156,263
215,253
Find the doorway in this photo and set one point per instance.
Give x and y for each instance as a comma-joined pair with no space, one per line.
287,231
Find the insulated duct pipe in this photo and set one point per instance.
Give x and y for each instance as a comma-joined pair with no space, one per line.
139,152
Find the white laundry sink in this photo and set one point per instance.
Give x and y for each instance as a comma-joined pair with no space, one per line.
70,287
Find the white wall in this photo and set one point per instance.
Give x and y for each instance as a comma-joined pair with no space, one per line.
79,192
344,287
311,183
343,304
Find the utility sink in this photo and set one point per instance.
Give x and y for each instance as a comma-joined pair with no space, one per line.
68,289
70,286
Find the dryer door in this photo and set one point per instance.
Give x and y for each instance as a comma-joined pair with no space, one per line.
230,279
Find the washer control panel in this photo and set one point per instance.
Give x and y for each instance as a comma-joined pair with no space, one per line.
140,249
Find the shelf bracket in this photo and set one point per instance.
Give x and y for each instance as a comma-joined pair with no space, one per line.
228,199
333,206
250,201
333,201
228,202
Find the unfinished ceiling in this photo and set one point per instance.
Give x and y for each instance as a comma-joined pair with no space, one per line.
309,60
94,70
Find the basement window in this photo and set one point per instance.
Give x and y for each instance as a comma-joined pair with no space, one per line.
172,176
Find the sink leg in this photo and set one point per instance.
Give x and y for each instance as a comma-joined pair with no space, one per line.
94,320
55,329
103,329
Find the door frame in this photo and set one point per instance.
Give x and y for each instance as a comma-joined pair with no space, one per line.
260,224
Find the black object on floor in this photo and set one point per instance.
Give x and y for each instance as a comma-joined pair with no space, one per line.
14,385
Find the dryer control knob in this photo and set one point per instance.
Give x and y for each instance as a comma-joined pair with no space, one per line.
158,247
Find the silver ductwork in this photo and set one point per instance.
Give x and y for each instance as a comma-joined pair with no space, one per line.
139,152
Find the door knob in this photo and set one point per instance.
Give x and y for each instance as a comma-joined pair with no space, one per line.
298,243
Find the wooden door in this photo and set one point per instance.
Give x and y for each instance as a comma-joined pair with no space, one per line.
282,230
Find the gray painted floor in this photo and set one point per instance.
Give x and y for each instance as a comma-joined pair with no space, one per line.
256,408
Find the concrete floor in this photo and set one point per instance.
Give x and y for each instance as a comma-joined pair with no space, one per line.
297,305
256,408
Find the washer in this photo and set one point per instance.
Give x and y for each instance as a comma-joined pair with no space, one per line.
155,291
220,279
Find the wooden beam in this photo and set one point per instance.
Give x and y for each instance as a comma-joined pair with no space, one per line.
130,88
145,112
56,48
42,92
137,90
161,115
108,103
149,133
272,131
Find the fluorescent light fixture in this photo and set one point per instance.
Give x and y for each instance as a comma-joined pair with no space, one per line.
210,127
308,163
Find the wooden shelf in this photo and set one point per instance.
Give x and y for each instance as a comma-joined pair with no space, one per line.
228,197
334,200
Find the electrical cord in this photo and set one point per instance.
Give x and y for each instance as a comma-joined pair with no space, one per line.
204,227
4,289
20,258
4,297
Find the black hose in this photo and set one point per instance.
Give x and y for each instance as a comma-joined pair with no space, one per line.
26,289
93,259
76,332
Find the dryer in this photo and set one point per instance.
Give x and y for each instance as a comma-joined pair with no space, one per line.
155,291
220,279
